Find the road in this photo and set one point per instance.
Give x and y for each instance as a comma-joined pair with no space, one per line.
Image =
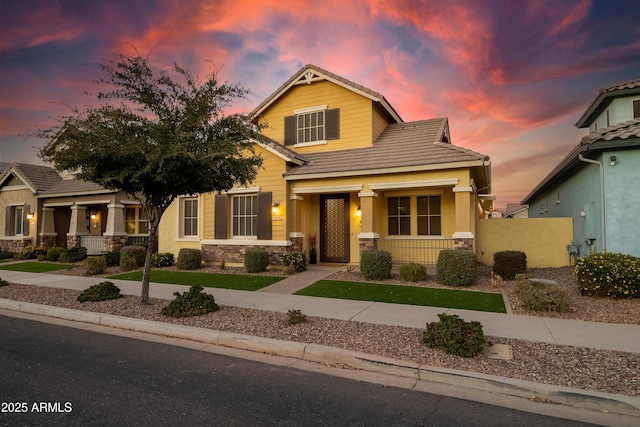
57,376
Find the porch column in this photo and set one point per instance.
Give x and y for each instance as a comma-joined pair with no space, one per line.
77,225
115,237
48,231
294,219
463,236
368,237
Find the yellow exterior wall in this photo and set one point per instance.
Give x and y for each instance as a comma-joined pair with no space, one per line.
355,115
543,240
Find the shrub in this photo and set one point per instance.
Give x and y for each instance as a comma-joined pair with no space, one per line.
139,253
189,259
456,268
162,259
6,255
94,265
296,260
295,316
541,296
112,258
191,303
609,274
3,283
413,272
127,263
375,265
256,260
32,252
101,292
455,336
53,253
74,254
222,265
507,264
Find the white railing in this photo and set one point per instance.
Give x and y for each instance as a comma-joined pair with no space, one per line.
94,244
421,251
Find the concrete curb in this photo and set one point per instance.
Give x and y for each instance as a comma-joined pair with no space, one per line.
421,374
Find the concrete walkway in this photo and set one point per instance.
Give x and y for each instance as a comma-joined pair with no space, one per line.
278,298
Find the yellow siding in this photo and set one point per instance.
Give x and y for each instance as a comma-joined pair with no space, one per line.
379,121
355,115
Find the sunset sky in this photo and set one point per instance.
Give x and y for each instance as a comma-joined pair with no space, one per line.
512,76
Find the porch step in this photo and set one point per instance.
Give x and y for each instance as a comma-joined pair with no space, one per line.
298,281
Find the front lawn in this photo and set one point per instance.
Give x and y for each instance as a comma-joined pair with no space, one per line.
412,295
242,282
37,267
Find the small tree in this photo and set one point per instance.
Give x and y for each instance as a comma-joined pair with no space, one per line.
156,135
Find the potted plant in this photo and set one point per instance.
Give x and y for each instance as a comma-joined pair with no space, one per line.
312,250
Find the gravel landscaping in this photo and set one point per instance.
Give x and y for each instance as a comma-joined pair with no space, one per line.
584,368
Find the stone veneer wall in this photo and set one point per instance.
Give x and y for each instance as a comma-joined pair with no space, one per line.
15,245
463,244
235,253
48,241
114,243
368,245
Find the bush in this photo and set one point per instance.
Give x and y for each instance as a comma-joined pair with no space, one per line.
111,258
191,303
74,254
609,274
162,259
541,296
101,292
6,255
456,268
413,272
53,253
32,252
507,264
295,316
127,263
139,253
3,283
94,265
189,259
455,336
296,260
375,265
256,260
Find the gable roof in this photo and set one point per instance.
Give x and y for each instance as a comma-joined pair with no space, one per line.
311,73
37,178
604,98
402,147
623,135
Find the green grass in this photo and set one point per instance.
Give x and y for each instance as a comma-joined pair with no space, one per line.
37,267
241,282
412,295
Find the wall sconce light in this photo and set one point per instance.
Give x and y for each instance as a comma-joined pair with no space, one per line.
613,160
29,215
275,208
93,216
358,212
583,214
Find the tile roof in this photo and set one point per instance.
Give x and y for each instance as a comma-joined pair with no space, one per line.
622,135
402,145
39,178
305,75
74,186
604,98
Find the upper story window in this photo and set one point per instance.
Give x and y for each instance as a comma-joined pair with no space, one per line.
311,126
636,109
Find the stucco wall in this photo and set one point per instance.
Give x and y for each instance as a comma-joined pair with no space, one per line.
544,240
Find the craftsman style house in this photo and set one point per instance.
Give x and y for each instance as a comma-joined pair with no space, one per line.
343,169
596,184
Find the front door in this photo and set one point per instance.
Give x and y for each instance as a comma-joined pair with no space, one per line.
334,227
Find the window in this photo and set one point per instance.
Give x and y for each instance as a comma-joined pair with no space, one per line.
19,220
189,217
399,216
245,215
608,118
429,217
16,222
636,109
312,125
135,220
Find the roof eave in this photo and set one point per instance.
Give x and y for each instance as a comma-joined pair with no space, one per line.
600,103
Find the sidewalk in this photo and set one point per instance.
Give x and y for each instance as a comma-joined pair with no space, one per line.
277,297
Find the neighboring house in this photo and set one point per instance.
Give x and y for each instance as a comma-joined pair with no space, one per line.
516,210
339,164
42,207
596,184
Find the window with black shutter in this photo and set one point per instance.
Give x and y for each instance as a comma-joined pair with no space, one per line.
310,127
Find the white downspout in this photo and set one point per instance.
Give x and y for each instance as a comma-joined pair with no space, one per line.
602,221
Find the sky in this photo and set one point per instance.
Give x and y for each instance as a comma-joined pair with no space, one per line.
512,76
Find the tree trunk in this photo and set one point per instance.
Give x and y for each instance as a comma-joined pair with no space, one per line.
154,222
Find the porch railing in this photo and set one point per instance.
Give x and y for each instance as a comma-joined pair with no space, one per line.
94,244
421,251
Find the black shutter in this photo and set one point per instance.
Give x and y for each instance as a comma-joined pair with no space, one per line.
8,222
290,130
332,124
264,216
220,217
25,220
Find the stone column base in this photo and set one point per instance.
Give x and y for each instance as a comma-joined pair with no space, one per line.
463,244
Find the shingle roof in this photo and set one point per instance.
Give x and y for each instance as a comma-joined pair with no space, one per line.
310,73
623,135
415,145
604,98
39,178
